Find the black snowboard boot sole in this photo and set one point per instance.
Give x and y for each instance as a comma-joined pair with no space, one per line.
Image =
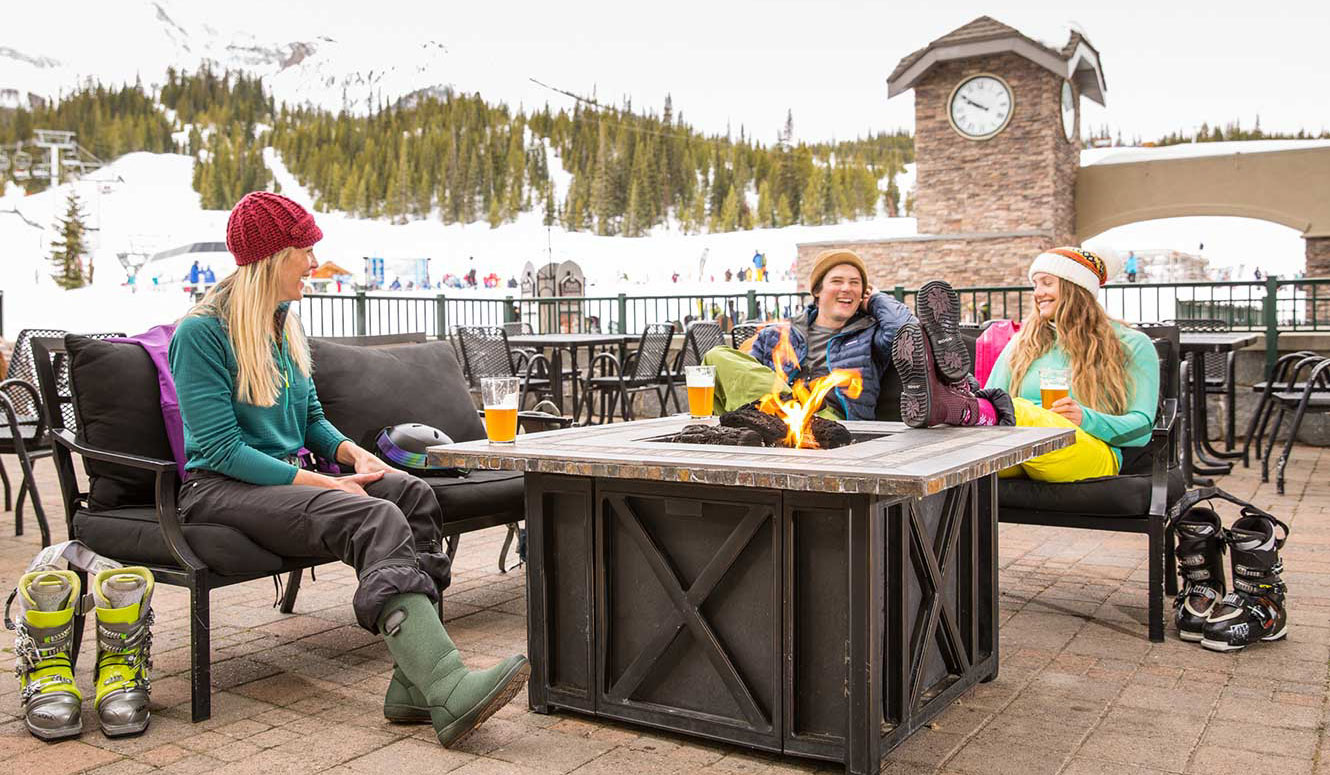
911,358
939,310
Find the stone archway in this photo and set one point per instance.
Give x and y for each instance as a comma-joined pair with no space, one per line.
1290,187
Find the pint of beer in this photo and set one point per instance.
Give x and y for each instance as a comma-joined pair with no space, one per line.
701,383
1053,384
499,396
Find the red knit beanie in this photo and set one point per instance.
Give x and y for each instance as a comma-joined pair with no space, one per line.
261,224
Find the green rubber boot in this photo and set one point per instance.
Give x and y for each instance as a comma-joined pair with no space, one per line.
458,699
124,614
404,704
44,645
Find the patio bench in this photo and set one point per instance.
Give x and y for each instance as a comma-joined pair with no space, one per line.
129,510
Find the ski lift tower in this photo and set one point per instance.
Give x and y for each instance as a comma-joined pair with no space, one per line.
54,141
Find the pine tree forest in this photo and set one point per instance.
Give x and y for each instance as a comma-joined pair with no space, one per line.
461,159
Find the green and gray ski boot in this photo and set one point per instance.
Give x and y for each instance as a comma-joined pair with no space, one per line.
1254,610
44,644
458,700
124,614
1200,542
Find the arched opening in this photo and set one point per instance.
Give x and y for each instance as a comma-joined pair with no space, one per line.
1233,248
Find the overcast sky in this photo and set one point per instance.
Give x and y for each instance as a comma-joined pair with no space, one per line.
1168,65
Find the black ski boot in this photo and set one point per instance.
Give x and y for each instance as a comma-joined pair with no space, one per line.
1200,542
1254,610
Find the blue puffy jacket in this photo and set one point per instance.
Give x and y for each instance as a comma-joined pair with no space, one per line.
864,344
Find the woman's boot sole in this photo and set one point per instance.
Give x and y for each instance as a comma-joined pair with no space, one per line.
406,714
912,362
462,728
942,327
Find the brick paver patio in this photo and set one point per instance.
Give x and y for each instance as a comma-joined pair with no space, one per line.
1081,689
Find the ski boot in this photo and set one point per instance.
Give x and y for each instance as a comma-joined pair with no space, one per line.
52,704
1254,610
1200,542
124,614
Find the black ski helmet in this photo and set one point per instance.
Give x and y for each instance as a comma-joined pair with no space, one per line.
404,446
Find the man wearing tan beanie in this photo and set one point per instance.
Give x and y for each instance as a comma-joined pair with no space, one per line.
848,325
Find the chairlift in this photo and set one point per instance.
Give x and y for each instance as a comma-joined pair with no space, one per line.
4,161
41,171
22,161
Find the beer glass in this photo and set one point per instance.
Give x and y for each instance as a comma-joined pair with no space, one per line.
499,397
701,382
1053,384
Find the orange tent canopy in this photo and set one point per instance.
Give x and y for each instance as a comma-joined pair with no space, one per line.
327,271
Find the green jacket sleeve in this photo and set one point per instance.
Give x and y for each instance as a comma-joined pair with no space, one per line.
206,391
1133,428
320,436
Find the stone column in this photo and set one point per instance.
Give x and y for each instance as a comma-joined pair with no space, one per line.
1318,265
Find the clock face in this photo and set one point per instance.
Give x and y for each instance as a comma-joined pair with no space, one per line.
980,106
1068,112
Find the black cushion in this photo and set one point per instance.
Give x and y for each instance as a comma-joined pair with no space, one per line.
365,389
132,535
119,409
1125,495
479,494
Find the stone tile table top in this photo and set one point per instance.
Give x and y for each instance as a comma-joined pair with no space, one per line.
887,458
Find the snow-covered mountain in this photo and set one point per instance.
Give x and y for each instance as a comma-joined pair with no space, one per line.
152,35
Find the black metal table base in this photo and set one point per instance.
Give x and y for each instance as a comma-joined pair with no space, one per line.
821,625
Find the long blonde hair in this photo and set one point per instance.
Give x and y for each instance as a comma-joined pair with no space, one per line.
1099,376
246,303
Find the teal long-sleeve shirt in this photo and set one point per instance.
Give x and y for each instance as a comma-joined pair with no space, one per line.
243,441
1131,429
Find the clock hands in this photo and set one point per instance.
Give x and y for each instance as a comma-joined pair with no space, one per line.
977,105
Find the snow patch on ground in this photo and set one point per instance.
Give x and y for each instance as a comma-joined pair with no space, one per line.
1091,156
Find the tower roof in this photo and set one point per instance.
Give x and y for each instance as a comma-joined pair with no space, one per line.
1077,60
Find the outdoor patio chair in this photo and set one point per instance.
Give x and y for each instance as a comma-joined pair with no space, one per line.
641,370
743,331
486,353
1283,377
25,433
1137,500
1220,371
1314,397
698,339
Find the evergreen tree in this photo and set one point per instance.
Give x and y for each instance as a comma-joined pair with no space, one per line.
67,252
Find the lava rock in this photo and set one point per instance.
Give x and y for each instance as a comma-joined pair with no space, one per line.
717,434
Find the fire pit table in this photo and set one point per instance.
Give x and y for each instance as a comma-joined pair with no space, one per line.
817,603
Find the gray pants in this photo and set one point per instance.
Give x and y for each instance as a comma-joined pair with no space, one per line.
392,539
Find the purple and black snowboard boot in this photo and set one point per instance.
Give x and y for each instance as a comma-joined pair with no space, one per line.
925,399
939,311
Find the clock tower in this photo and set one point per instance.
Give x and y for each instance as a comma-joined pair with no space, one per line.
997,148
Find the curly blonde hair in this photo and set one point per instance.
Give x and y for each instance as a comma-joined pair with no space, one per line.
1099,376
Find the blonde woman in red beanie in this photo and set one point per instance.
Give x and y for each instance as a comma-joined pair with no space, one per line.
242,372
1111,370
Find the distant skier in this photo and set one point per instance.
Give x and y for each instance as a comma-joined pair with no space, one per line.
208,276
396,285
759,265
194,273
728,275
1131,266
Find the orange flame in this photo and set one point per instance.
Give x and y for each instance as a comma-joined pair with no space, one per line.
797,412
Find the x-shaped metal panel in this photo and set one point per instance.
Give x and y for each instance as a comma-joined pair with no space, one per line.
931,563
687,609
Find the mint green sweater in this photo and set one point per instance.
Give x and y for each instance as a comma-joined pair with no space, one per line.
243,441
1131,429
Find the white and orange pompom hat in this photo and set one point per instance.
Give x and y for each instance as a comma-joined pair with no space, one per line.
1078,265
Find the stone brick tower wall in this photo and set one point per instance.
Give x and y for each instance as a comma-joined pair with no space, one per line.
1318,265
1022,179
